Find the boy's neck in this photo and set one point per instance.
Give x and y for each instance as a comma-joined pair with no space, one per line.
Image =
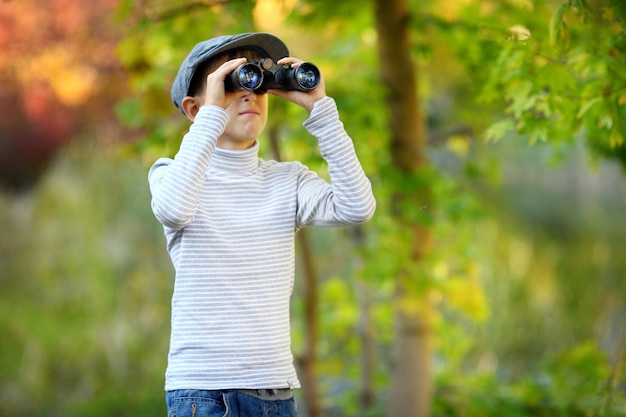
231,145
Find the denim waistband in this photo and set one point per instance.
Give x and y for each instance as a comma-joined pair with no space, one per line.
262,394
268,394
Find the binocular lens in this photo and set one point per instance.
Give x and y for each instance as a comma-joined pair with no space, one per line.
264,75
250,77
307,76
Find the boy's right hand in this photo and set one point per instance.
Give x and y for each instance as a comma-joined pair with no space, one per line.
215,92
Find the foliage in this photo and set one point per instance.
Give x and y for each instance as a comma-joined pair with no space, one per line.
562,78
526,273
574,383
151,53
56,59
84,304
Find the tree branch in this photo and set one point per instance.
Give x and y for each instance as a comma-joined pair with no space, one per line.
143,11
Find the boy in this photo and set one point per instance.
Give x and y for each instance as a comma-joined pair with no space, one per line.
230,219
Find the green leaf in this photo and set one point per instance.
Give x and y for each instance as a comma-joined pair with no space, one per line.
586,106
499,129
557,24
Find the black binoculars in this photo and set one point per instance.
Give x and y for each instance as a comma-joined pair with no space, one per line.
260,76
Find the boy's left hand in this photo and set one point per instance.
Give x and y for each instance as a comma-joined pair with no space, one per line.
305,99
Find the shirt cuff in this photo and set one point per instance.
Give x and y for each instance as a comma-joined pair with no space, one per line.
323,114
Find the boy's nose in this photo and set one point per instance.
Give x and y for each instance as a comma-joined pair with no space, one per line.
248,96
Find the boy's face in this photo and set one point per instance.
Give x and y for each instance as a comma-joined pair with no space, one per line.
248,116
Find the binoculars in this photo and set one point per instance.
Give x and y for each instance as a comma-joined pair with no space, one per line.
260,76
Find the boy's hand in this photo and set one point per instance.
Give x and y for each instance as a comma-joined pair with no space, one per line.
305,99
215,93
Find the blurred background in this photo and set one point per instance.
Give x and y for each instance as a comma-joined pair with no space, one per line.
519,191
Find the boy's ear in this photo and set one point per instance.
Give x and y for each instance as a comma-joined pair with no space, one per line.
191,107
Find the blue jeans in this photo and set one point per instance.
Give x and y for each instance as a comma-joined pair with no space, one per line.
198,403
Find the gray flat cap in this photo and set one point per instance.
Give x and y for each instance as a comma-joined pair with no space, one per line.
273,46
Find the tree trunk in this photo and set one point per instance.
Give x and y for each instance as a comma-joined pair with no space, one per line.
365,328
411,384
368,359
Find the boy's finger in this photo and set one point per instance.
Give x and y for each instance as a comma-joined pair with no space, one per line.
219,75
229,66
289,60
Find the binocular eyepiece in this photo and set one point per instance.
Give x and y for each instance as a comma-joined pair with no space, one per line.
260,76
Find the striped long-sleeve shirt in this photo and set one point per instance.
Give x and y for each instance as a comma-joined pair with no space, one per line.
230,219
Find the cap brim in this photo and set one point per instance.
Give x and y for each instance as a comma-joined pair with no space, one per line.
275,48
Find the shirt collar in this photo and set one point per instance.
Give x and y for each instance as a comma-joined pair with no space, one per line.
236,161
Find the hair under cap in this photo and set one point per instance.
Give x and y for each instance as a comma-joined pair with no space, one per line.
270,44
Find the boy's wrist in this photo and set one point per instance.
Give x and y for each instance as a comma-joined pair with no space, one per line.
310,105
322,104
320,112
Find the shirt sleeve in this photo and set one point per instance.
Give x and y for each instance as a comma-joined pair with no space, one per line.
175,184
348,199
